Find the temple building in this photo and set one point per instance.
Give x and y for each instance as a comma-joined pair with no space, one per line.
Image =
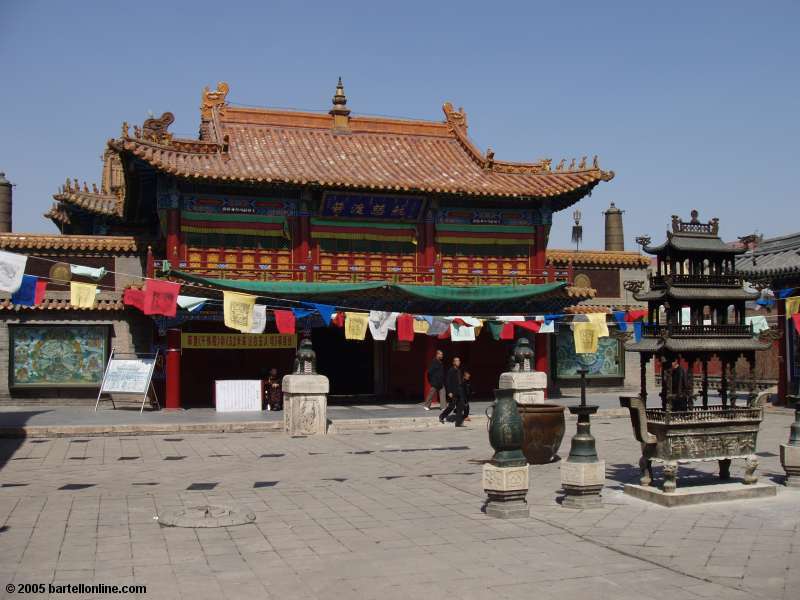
773,264
355,211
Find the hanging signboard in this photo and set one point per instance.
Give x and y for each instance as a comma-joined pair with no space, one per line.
238,341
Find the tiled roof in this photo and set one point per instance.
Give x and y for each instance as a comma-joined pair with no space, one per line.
694,243
609,258
58,214
774,257
697,293
64,304
335,150
94,202
107,243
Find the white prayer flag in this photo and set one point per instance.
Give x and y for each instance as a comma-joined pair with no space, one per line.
12,268
90,272
259,318
191,303
381,322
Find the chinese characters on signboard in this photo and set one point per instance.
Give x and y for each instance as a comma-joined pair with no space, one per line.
357,206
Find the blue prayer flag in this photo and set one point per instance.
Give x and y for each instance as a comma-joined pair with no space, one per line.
619,317
637,330
26,294
784,293
301,313
325,311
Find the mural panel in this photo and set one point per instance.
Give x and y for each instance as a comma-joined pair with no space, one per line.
606,363
57,355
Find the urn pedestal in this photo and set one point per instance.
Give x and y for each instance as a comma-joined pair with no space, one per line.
505,478
790,454
305,404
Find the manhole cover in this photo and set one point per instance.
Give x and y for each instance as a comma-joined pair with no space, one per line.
204,516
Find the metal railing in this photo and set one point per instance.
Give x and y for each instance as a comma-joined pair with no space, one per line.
718,330
661,281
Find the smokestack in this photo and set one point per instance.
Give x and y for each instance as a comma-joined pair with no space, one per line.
5,204
615,239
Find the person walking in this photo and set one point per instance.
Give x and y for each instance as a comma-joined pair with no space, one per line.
455,394
435,380
466,391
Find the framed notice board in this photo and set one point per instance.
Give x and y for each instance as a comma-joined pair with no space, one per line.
42,356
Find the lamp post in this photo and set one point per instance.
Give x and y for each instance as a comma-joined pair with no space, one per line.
583,474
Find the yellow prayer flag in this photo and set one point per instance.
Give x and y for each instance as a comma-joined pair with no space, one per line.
238,311
421,326
599,320
585,336
82,295
792,305
356,325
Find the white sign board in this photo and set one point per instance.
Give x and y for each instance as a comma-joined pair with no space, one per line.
128,375
235,395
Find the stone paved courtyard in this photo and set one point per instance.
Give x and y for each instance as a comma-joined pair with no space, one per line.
375,515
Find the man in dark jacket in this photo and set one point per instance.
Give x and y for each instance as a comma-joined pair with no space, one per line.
455,393
435,379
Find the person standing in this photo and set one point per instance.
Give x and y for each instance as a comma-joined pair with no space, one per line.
274,392
455,394
435,380
466,391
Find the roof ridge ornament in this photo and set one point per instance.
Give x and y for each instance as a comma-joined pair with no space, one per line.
213,98
339,110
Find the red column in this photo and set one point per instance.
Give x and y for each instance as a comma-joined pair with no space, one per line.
540,250
173,236
173,383
783,383
430,352
540,355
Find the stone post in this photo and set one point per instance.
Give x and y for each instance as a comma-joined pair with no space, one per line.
305,395
583,474
790,453
305,404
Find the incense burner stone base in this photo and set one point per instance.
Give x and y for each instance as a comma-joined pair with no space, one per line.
701,494
305,404
528,386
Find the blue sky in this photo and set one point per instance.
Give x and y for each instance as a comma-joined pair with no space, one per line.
692,104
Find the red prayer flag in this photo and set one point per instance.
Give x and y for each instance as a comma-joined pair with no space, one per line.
445,335
134,297
507,333
41,288
533,326
796,321
635,315
338,320
285,321
160,297
405,328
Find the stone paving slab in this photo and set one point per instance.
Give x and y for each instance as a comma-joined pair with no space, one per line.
376,514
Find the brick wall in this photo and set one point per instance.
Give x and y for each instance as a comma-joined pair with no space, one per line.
130,332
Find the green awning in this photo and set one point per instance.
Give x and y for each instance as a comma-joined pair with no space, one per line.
418,299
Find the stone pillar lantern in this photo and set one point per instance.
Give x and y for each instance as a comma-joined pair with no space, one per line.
305,395
583,474
790,453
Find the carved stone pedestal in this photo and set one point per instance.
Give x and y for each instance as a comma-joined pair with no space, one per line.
790,461
528,386
305,404
506,489
582,483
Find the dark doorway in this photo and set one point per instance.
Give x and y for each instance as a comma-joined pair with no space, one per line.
347,364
